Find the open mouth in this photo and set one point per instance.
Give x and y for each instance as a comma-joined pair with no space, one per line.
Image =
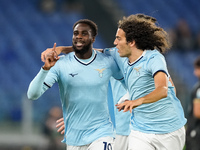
79,44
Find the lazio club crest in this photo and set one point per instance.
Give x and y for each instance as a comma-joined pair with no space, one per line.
100,72
137,71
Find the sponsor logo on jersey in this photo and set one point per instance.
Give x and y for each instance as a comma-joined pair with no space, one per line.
73,74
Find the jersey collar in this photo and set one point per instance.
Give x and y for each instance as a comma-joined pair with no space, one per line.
137,59
87,61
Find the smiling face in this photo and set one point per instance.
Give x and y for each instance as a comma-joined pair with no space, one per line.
82,39
121,44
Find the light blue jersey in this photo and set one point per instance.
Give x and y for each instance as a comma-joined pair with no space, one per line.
83,86
122,120
163,116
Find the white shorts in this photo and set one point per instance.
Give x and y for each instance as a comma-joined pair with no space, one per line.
121,142
104,143
170,141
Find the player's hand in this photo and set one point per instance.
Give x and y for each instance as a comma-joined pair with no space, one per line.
44,53
57,50
50,59
60,125
128,105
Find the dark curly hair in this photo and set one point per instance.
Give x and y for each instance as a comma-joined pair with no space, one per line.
92,25
146,18
143,30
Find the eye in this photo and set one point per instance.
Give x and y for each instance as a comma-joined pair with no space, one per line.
75,33
118,38
85,33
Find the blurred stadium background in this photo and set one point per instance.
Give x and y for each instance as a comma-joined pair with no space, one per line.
28,27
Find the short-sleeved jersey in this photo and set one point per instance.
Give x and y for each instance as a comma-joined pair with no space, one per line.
164,116
122,119
83,89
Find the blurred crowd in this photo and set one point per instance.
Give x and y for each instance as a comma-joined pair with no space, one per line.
183,38
49,6
50,131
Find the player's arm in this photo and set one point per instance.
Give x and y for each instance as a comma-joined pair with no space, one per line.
58,50
124,98
196,108
161,88
100,50
37,86
170,79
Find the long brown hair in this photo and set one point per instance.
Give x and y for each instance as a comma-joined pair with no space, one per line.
143,30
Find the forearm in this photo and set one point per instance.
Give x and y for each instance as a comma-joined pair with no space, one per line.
37,87
157,94
68,49
64,49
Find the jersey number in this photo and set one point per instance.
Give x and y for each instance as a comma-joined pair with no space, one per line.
107,146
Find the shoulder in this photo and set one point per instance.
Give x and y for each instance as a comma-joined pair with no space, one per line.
103,55
63,59
66,56
105,59
154,55
112,49
155,61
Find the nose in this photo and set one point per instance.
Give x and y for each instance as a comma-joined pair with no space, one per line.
79,36
115,42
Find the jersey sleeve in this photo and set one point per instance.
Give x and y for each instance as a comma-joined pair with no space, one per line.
157,64
114,53
42,82
116,73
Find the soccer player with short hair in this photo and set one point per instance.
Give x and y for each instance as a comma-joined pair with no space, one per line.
83,78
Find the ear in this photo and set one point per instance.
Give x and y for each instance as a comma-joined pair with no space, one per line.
93,39
132,43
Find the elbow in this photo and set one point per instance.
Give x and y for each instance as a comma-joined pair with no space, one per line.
165,92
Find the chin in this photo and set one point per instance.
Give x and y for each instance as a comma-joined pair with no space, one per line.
121,55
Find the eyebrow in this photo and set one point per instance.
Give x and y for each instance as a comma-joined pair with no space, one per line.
118,37
83,31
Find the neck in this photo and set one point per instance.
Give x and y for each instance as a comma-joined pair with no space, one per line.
84,55
135,55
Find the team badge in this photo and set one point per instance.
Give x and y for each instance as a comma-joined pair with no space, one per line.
100,72
137,70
